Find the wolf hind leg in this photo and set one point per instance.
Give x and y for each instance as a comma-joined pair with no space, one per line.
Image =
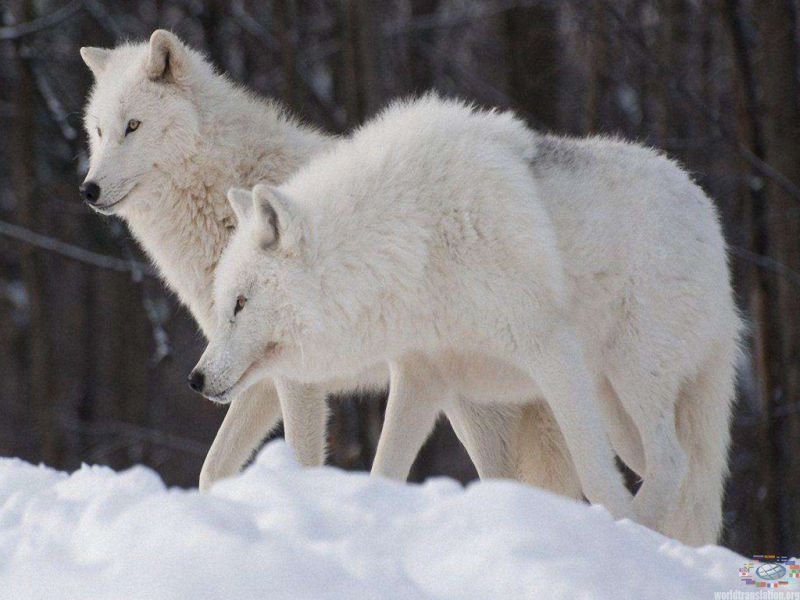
487,433
559,369
544,460
625,438
516,442
651,405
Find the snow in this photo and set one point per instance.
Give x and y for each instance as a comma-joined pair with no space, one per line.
277,531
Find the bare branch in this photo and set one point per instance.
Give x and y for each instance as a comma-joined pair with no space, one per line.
486,88
104,18
700,107
53,102
14,32
767,263
471,13
154,315
133,432
72,252
770,172
254,28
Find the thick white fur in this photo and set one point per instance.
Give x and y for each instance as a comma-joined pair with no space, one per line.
200,135
437,227
424,233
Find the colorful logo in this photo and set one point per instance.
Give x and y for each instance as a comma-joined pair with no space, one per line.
770,571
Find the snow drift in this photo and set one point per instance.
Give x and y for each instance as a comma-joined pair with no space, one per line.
278,531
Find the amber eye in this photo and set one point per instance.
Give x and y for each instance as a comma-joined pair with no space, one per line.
240,302
99,132
133,125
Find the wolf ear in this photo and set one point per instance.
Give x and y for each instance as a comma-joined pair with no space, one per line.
241,202
278,215
167,57
95,59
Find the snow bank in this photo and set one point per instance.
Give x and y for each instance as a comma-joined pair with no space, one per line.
278,531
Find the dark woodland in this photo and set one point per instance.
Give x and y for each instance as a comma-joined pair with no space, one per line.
94,351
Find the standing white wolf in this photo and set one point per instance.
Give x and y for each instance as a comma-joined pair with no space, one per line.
428,232
421,234
168,137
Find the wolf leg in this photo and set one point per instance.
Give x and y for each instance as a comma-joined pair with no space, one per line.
411,412
651,402
250,417
516,442
305,420
560,371
487,433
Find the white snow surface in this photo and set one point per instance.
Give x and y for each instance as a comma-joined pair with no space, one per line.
278,531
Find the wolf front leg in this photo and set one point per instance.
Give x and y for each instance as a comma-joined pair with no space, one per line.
558,367
414,403
250,417
305,420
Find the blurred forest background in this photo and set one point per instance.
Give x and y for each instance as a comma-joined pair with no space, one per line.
94,352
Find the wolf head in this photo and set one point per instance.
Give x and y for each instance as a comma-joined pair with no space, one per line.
264,291
142,119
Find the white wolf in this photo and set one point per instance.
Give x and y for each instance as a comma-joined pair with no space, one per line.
427,231
421,234
168,137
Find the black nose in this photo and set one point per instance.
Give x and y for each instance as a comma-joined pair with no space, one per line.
90,192
197,380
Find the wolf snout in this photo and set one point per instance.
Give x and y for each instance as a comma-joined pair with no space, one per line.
197,380
90,192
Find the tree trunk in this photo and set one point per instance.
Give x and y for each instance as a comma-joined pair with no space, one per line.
32,262
534,60
421,64
360,88
599,58
285,27
211,17
777,73
765,311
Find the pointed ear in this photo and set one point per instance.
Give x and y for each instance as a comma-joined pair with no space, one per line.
95,59
281,222
167,58
241,202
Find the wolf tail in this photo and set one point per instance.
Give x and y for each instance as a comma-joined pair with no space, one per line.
703,423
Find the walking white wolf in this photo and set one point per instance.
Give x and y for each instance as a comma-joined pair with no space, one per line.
406,242
168,137
421,234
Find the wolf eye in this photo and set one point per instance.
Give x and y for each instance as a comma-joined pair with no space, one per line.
240,302
133,125
99,132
